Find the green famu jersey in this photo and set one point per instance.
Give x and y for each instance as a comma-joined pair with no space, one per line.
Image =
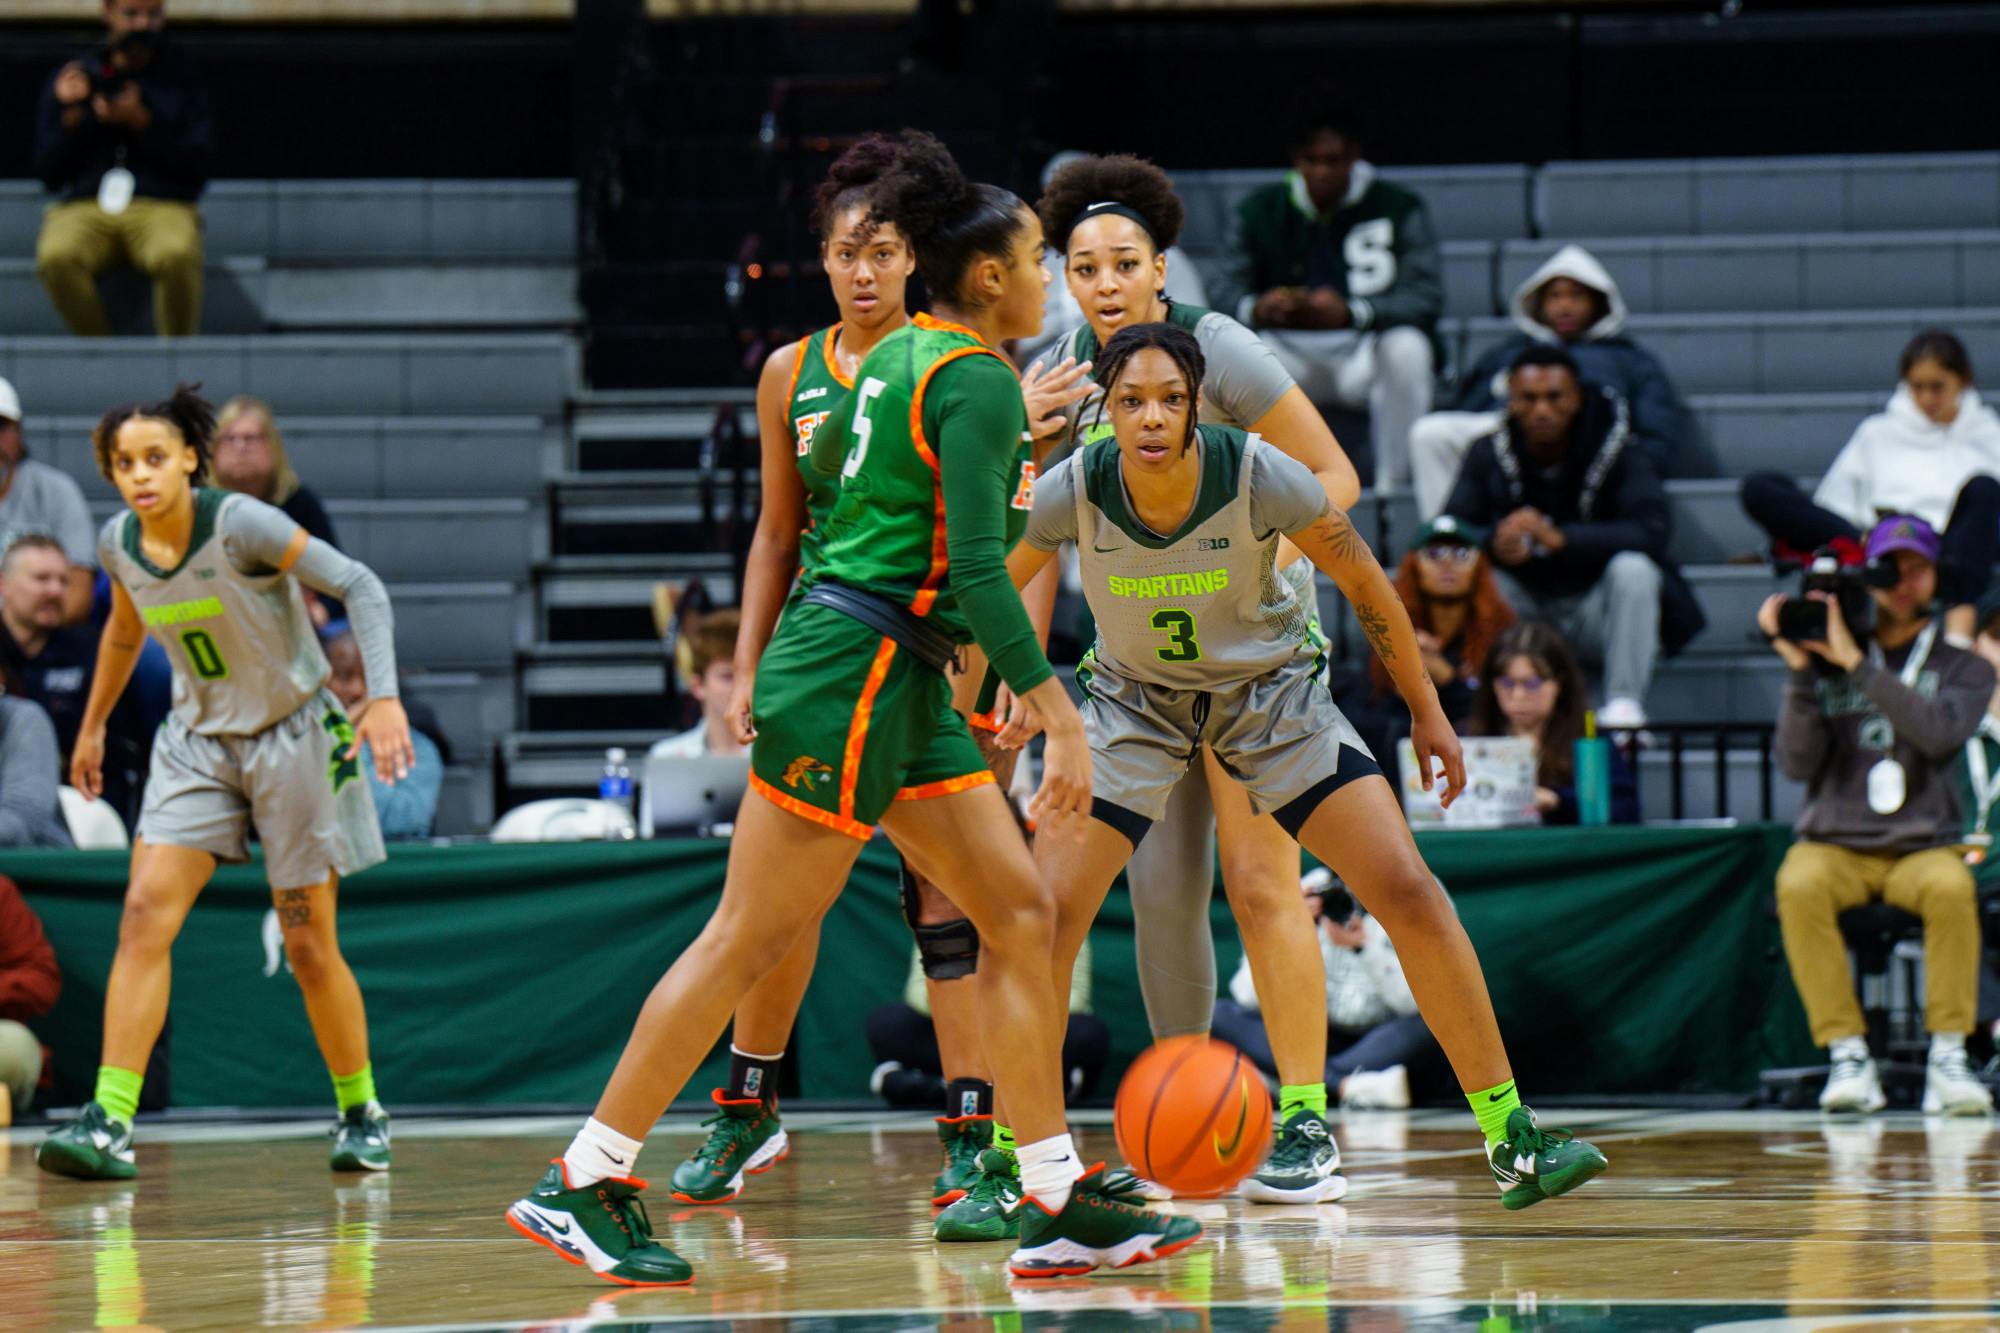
818,391
886,532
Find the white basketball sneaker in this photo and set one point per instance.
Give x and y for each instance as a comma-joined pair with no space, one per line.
1951,1087
1852,1087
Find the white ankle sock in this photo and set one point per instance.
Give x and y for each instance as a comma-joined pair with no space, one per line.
598,1151
1048,1168
1943,1043
1849,1048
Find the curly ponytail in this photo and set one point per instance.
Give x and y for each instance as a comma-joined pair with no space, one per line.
848,180
951,221
187,412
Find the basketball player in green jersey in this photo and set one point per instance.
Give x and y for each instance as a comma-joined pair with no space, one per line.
855,726
801,386
254,737
1176,526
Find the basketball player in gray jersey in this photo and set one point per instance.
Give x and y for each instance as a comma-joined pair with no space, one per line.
1114,218
254,737
1177,527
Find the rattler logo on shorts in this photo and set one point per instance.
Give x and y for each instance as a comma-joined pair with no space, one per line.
802,773
340,770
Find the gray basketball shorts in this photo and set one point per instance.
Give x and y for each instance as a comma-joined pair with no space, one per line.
312,809
1280,735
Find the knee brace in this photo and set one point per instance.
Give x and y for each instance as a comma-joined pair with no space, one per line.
949,949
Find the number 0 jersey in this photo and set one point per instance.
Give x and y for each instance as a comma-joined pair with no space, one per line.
1202,606
234,625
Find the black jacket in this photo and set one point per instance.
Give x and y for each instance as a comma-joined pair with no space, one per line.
1604,496
173,159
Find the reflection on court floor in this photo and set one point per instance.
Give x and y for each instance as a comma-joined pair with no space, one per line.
1736,1222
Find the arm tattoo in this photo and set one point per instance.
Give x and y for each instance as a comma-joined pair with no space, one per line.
1375,626
1335,529
294,907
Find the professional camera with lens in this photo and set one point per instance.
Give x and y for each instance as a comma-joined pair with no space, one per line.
1802,619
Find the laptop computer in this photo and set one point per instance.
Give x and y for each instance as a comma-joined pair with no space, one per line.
692,795
1499,787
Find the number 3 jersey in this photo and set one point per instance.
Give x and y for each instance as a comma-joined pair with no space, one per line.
233,623
1201,606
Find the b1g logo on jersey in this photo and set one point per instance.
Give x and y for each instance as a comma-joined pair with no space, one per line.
1211,543
1024,494
806,427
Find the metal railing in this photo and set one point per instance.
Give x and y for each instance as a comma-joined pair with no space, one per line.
1680,739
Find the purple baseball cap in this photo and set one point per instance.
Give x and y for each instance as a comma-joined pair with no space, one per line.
1903,532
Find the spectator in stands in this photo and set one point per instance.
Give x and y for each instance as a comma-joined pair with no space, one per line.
29,984
1934,453
52,662
1530,687
406,808
1874,725
1578,525
250,457
909,1072
125,138
1375,1037
705,657
1458,610
1979,776
1340,271
39,499
30,772
1570,302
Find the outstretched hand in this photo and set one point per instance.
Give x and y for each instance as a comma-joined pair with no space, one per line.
1047,391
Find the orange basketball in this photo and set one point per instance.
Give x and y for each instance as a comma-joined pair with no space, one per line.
1194,1115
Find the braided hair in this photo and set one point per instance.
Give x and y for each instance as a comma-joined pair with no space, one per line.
1172,339
949,220
187,412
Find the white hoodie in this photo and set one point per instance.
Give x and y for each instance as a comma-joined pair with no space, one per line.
1578,265
1902,462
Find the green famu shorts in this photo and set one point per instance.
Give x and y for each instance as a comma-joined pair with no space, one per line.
849,722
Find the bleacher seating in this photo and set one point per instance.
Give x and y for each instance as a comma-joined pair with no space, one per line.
416,339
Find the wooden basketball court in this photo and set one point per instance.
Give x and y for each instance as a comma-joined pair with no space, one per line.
1723,1221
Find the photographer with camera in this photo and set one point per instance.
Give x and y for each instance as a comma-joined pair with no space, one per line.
1375,1036
1878,709
125,138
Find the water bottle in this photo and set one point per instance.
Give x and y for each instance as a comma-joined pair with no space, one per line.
616,787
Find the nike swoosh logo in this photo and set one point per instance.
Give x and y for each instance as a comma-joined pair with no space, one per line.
1498,1095
560,1228
1242,1122
1105,550
615,1161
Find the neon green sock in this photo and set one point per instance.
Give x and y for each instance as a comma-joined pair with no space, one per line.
1491,1107
356,1089
1003,1139
118,1092
1296,1097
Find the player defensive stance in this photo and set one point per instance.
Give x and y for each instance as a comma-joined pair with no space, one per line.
1177,528
254,737
855,726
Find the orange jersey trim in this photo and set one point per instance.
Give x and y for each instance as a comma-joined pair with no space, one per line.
948,787
925,320
857,731
927,594
793,805
798,364
985,722
832,362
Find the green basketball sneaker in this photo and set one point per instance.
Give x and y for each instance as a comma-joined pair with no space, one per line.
361,1139
991,1208
963,1138
748,1140
1095,1229
91,1147
1533,1164
602,1226
1304,1165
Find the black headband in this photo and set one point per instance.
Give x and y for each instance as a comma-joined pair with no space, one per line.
1117,209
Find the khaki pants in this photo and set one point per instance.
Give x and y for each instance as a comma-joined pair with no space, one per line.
1818,881
160,237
